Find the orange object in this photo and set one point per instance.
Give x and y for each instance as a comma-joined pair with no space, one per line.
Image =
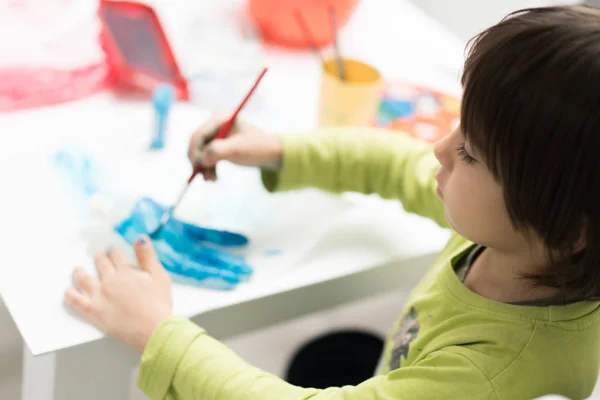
277,21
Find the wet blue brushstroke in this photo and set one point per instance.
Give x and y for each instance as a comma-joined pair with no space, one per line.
187,250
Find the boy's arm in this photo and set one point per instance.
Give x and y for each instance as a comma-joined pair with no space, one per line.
361,160
181,362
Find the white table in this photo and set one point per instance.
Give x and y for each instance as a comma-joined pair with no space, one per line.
373,246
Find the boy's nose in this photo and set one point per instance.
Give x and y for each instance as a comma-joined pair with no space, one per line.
441,149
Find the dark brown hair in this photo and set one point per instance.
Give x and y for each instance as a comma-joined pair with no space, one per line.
531,107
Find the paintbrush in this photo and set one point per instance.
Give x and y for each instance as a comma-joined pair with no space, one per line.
222,133
338,56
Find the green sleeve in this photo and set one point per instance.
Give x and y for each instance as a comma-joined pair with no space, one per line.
181,362
361,160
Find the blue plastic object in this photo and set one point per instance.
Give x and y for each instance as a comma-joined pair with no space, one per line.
162,100
189,251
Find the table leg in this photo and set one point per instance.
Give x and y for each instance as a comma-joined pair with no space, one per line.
95,371
38,376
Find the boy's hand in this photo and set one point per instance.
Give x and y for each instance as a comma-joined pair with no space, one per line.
245,145
125,302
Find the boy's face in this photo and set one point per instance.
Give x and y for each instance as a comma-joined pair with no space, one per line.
473,199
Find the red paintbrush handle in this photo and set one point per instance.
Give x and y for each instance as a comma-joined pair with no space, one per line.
196,171
226,127
243,103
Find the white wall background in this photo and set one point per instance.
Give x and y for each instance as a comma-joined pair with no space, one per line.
466,18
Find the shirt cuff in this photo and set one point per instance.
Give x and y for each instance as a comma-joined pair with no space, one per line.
291,172
164,351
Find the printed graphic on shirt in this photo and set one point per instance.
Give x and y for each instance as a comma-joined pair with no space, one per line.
407,331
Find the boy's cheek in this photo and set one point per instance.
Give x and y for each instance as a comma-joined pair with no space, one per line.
465,216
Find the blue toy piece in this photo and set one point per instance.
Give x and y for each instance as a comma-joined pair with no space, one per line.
162,100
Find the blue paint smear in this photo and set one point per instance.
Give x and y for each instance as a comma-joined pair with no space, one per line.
273,252
79,169
192,252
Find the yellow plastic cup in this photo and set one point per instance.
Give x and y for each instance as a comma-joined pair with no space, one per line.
353,101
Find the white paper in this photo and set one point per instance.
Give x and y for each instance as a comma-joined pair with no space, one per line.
48,229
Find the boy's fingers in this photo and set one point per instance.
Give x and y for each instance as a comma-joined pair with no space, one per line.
80,303
203,135
147,259
194,152
118,258
104,266
218,150
84,281
210,174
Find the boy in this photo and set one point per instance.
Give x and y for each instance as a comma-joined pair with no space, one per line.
510,308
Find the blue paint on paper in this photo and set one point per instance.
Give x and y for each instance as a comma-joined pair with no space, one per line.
193,253
79,170
187,250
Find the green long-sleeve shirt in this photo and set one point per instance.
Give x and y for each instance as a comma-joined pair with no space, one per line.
449,342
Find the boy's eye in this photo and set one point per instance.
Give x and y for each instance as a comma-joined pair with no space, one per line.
462,153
